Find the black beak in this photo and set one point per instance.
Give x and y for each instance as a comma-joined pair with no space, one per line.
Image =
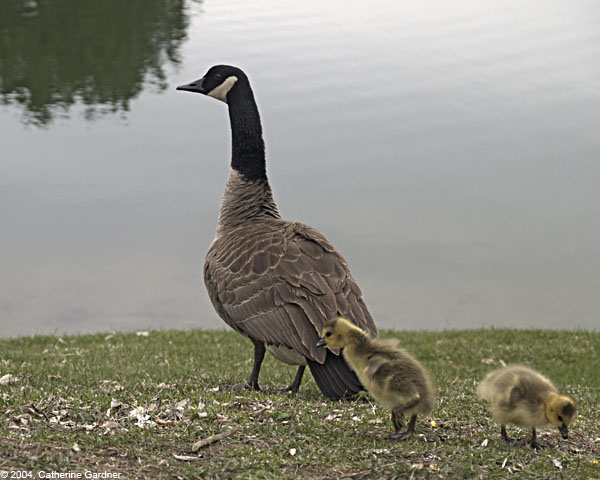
321,343
564,431
193,87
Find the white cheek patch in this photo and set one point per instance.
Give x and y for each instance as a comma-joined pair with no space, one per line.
220,92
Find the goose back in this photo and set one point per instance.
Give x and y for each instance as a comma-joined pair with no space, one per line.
279,282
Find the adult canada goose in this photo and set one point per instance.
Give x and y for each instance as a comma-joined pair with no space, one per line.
524,397
274,281
395,379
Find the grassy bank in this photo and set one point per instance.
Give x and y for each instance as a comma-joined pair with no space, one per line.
135,405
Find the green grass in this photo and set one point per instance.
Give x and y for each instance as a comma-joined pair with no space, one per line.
62,391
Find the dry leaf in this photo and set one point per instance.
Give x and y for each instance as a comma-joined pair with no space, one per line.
142,334
292,451
557,463
7,378
20,419
456,365
484,443
143,419
111,386
186,458
76,448
137,411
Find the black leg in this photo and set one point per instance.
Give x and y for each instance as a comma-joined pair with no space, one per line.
533,443
397,420
295,385
252,383
411,424
409,431
259,355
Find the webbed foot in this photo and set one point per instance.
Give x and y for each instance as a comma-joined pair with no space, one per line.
516,441
535,445
295,385
400,435
243,388
397,416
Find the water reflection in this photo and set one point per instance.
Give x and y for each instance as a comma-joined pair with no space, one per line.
448,149
55,54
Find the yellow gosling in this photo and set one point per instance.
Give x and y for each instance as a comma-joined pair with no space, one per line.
390,374
524,397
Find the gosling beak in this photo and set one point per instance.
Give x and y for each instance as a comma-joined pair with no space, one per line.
564,431
194,87
321,343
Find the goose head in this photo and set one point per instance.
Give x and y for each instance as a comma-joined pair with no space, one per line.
338,333
560,411
219,82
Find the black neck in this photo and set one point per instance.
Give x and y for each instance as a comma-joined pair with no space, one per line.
248,148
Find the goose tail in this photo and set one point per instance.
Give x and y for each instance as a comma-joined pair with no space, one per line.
335,378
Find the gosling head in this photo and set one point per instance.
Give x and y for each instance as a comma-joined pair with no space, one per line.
560,411
338,333
220,82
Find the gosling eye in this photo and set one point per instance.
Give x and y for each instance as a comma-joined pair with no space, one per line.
560,418
328,334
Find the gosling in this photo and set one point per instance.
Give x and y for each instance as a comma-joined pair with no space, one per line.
523,397
390,374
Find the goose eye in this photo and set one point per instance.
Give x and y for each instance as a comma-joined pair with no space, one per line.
328,334
217,76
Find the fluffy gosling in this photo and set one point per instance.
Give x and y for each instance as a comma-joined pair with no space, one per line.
522,396
390,374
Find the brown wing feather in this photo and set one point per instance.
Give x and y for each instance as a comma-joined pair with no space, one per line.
279,282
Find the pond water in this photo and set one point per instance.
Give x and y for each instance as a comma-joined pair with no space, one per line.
449,150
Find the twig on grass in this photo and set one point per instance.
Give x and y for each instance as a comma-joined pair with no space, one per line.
212,439
37,411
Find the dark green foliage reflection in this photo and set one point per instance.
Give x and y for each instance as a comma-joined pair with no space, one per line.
54,53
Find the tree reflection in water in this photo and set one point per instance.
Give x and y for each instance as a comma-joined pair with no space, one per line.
102,54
